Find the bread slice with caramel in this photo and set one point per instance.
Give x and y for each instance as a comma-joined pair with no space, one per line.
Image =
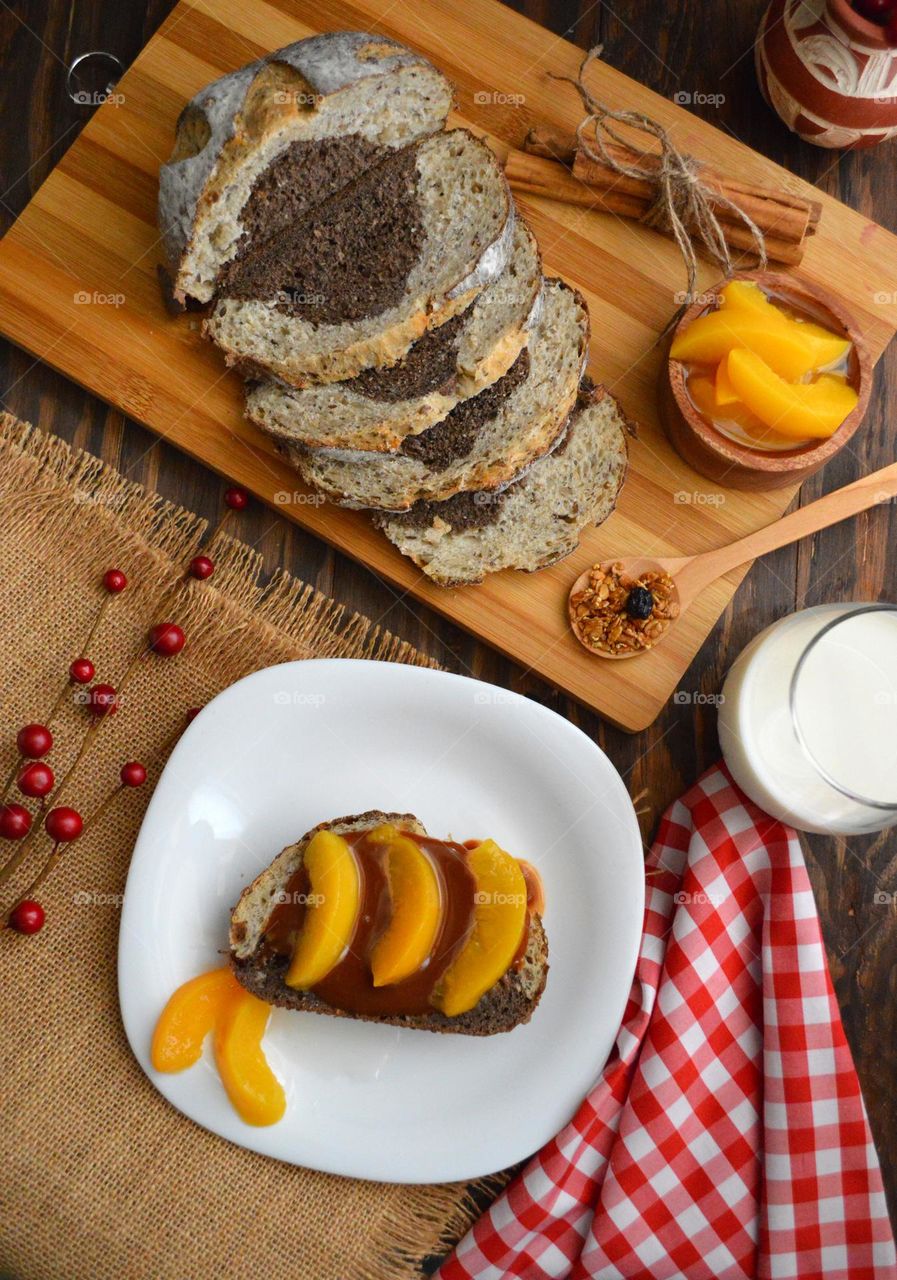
261,970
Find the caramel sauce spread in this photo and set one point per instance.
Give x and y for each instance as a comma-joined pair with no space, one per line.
349,985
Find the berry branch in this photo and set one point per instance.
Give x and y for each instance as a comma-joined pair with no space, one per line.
35,778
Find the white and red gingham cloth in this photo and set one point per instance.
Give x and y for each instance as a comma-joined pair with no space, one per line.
726,1137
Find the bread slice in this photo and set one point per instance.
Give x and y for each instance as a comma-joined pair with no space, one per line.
536,521
485,442
508,1004
411,242
313,113
379,408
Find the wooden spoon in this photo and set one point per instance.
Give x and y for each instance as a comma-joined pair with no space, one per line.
691,574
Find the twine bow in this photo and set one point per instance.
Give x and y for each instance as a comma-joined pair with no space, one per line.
684,204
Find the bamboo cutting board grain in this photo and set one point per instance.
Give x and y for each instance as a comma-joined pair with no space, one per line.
78,289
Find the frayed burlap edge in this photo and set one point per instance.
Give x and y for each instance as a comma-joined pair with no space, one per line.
42,475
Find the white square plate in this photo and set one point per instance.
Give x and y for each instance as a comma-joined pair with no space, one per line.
301,743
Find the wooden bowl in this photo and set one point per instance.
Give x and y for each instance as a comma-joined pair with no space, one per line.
737,466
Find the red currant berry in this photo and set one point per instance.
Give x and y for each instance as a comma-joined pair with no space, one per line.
15,822
236,499
82,671
114,581
166,639
27,917
103,700
133,774
192,714
201,567
36,779
34,741
64,824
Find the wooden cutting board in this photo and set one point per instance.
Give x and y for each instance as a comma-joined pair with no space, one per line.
78,289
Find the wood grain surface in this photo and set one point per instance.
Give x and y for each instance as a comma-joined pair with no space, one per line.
701,51
78,287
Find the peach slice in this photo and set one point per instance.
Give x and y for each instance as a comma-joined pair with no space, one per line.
498,922
724,392
188,1017
806,410
414,893
335,896
744,293
711,337
254,1091
827,346
703,393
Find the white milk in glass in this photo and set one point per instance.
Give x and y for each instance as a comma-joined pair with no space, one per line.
808,721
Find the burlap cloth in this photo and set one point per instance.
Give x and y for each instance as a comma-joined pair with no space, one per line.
99,1176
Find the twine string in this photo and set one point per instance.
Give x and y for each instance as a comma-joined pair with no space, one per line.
684,204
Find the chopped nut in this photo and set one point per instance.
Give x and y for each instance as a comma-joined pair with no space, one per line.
600,616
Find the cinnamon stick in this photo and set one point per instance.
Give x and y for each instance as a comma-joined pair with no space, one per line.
556,144
786,216
533,175
552,144
785,219
542,177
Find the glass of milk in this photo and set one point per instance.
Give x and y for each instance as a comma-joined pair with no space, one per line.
808,719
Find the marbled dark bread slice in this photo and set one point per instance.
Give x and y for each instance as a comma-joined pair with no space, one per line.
266,142
380,408
532,523
411,242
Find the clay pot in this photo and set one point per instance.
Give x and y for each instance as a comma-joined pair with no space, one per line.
829,73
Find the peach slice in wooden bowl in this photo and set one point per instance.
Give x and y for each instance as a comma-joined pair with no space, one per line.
793,366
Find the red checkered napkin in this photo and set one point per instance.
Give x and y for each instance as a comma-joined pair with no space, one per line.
727,1136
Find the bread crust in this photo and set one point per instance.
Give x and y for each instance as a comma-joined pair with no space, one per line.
226,121
508,1004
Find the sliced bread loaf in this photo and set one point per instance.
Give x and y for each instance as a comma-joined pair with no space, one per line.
262,144
411,242
485,442
508,1004
380,407
532,523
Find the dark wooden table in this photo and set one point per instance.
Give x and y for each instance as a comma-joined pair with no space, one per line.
701,49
